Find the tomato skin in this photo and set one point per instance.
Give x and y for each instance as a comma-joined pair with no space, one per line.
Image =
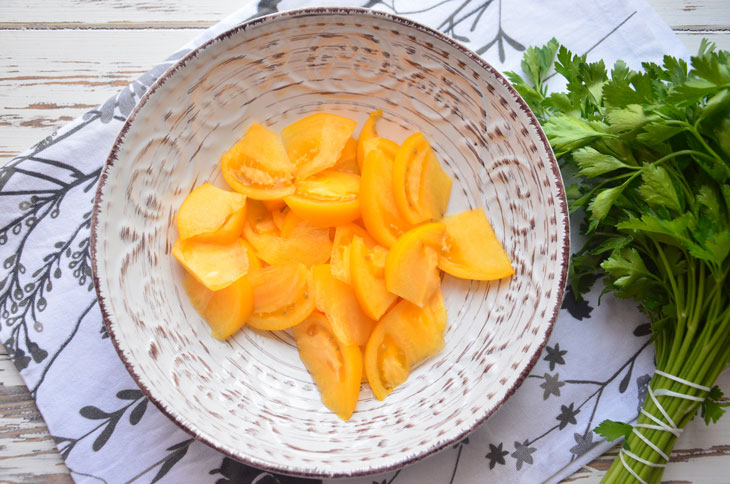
367,270
315,143
206,213
404,337
226,311
282,296
368,132
213,265
296,241
420,186
472,250
411,265
348,158
377,203
327,199
335,367
338,301
340,257
258,166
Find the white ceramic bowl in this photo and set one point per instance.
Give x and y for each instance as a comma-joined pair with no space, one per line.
250,397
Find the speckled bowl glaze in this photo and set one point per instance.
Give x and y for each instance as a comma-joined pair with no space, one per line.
250,397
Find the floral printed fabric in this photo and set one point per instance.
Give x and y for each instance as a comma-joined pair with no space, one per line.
596,365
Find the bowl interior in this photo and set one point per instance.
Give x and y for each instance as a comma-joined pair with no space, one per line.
250,396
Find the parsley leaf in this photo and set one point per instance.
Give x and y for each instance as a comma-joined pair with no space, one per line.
648,158
613,430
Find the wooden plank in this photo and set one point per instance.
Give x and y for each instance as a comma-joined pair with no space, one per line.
48,78
679,14
27,453
692,39
41,11
694,14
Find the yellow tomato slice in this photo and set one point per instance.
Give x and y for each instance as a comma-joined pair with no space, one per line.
348,158
377,203
367,271
258,165
254,263
404,337
411,265
315,143
327,199
229,232
282,296
297,241
390,148
207,210
214,265
340,258
420,186
274,204
225,311
368,131
336,368
337,300
471,249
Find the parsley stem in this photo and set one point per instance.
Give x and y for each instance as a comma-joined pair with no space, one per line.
711,154
680,153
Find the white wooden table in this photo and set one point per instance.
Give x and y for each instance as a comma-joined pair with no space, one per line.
59,59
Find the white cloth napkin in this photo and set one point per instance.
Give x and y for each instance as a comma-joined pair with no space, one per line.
596,365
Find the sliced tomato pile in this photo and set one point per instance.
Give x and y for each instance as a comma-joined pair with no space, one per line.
341,239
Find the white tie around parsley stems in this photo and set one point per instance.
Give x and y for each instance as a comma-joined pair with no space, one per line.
668,426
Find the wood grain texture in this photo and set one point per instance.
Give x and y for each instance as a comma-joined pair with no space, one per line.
79,52
27,453
679,14
116,11
99,46
49,77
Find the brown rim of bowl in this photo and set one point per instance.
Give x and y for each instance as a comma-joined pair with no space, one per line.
309,12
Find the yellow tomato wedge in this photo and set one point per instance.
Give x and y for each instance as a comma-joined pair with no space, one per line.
315,143
368,131
411,265
258,165
254,263
225,311
209,211
437,309
420,186
348,158
471,249
282,296
389,147
336,368
367,271
298,241
337,300
327,199
214,265
404,337
274,204
340,258
229,232
377,203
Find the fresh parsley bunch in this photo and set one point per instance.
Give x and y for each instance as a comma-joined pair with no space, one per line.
648,155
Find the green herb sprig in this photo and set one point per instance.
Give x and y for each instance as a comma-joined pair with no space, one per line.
648,156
